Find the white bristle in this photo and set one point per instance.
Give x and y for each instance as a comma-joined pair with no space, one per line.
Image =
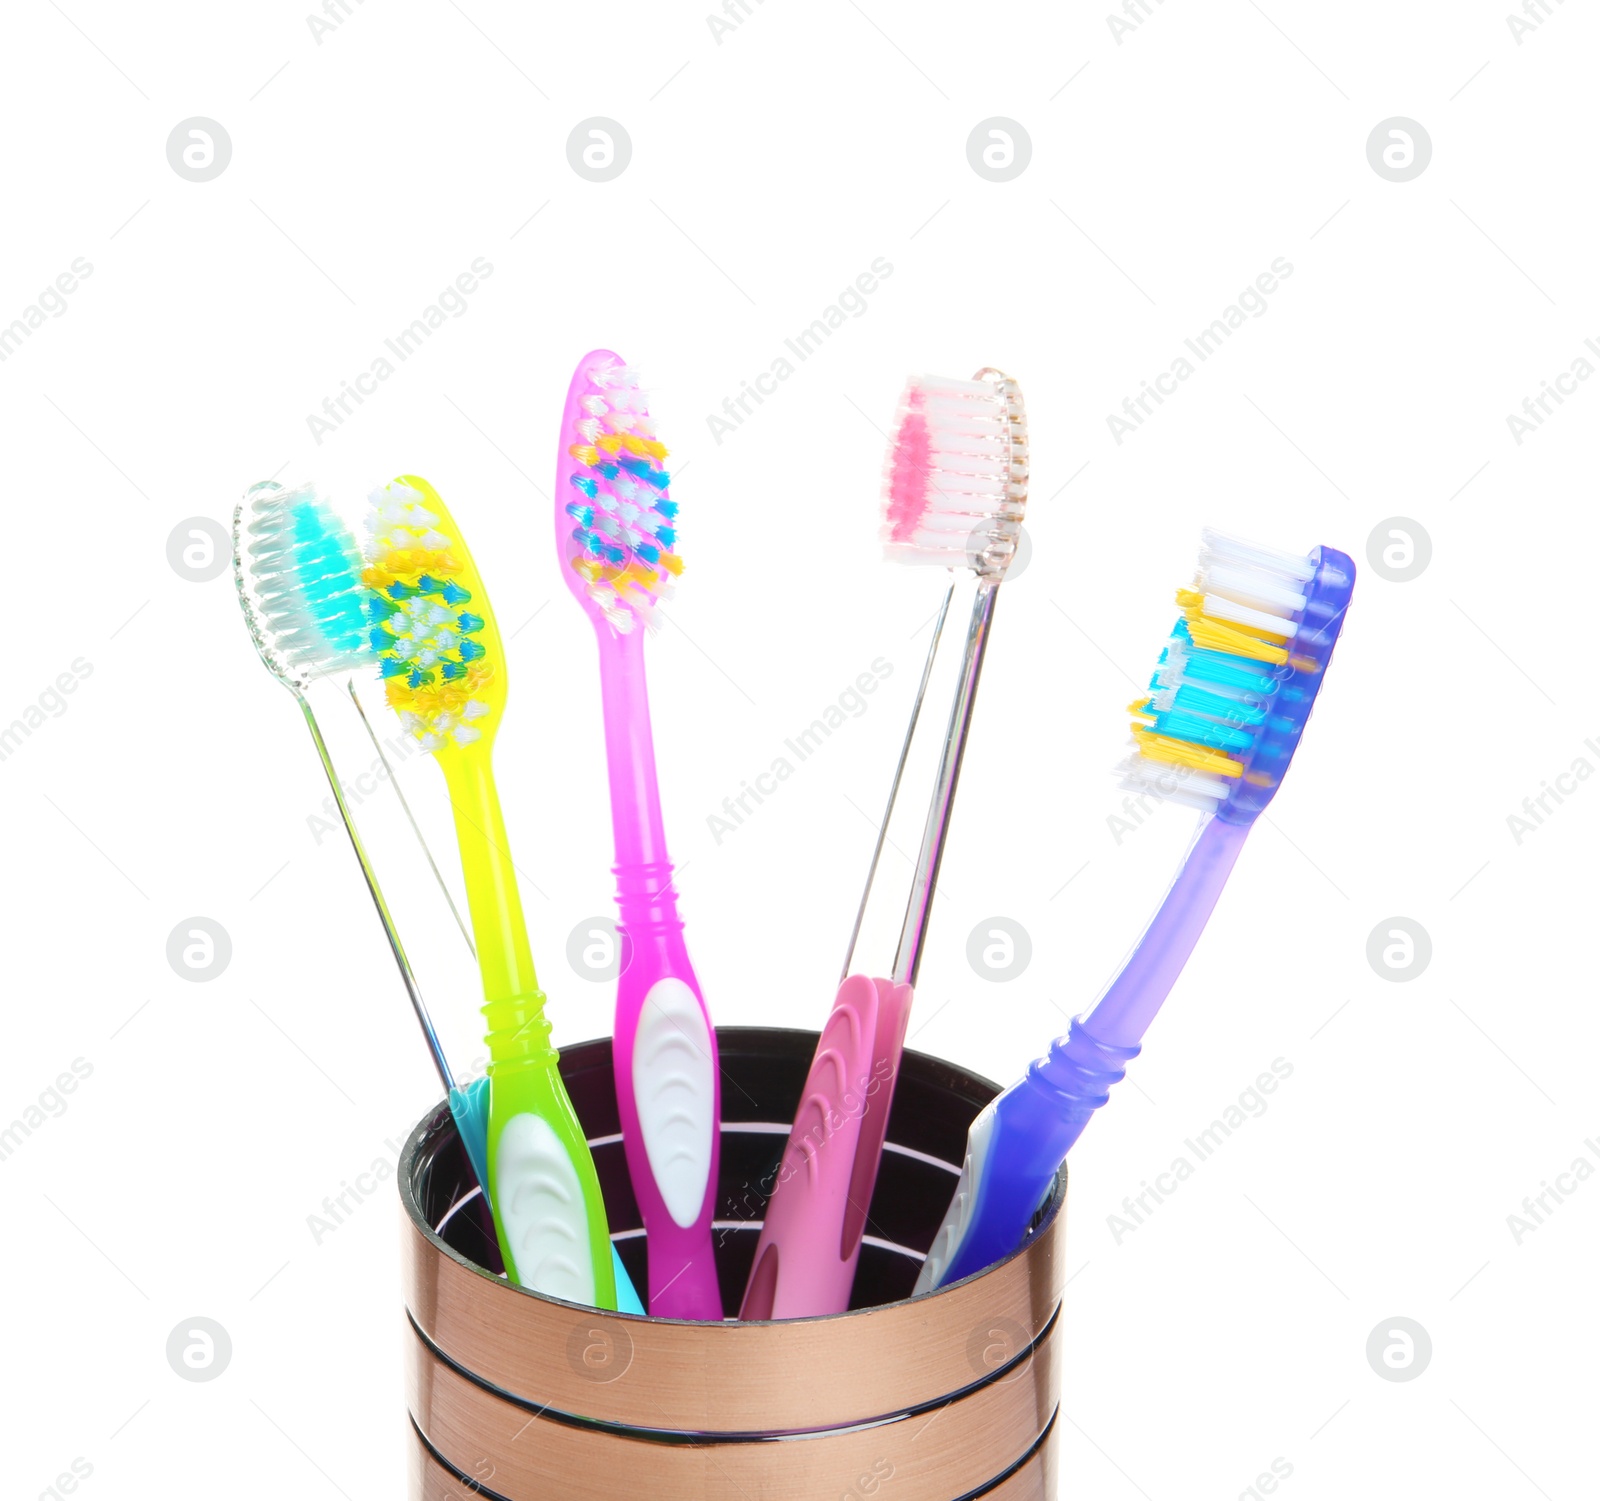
1172,784
1252,586
1236,550
1223,607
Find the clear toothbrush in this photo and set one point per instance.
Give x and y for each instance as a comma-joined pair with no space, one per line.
616,531
295,566
956,487
1225,712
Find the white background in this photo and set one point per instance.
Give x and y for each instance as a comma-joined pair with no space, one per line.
1167,172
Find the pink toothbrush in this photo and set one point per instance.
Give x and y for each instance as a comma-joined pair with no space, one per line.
615,534
955,488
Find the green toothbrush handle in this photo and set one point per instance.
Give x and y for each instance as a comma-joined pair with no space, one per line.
470,1107
548,1212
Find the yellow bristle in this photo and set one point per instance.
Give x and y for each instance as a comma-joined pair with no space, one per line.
409,564
672,563
585,453
1183,753
646,448
1193,605
1219,635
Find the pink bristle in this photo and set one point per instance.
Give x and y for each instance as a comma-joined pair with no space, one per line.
910,469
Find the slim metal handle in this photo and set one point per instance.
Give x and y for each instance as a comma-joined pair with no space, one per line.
908,957
394,782
395,946
894,786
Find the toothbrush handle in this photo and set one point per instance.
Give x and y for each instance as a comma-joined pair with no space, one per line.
1017,1144
1129,1003
805,1261
1014,1149
664,1054
549,1213
396,948
505,961
925,880
669,1095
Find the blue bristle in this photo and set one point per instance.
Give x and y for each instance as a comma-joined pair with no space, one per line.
1228,671
379,639
469,622
1232,711
398,591
666,535
453,594
588,541
667,508
648,553
450,671
471,651
1191,727
641,469
606,471
585,483
377,607
393,667
583,515
327,571
419,678
615,555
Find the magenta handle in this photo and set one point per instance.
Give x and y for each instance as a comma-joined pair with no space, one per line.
805,1261
669,1091
630,750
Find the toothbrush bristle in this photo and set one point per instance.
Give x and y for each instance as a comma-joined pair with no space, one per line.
956,479
618,523
1220,676
297,569
426,619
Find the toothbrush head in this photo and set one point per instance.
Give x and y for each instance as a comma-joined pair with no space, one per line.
616,527
428,628
1236,682
955,484
297,569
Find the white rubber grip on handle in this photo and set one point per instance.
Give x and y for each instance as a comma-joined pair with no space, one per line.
539,1200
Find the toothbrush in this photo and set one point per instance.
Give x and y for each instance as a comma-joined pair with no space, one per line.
956,486
295,566
296,570
1226,709
433,636
616,531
